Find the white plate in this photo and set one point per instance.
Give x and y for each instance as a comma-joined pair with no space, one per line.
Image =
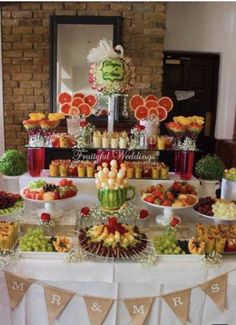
213,218
170,207
45,201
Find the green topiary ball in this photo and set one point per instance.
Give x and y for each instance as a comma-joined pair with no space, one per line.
13,163
210,168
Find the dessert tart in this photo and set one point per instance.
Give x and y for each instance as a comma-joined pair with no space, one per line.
113,240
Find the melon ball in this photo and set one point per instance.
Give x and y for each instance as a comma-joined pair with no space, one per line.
113,163
111,181
104,164
111,174
120,174
105,170
114,169
100,174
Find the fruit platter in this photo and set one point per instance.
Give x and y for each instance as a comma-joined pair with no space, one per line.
42,191
10,203
216,209
113,240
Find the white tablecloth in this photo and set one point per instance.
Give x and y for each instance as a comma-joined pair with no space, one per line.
118,280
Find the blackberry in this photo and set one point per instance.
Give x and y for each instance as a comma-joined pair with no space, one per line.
50,188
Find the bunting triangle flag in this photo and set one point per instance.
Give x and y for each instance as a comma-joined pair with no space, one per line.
56,301
17,288
97,308
216,290
138,309
179,303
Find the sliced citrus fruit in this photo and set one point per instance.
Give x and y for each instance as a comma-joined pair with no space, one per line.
141,112
85,110
151,97
64,98
153,111
75,95
65,108
74,110
136,101
162,113
91,100
151,103
77,101
166,102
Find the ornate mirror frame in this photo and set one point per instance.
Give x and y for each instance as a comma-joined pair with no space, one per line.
114,21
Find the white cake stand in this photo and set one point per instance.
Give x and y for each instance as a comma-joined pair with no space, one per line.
49,206
168,212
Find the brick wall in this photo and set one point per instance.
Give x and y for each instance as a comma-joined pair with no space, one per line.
25,44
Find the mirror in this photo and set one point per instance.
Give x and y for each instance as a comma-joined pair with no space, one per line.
72,37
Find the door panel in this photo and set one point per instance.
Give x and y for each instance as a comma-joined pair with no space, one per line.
196,72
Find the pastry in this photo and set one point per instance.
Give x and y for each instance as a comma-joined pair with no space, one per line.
8,235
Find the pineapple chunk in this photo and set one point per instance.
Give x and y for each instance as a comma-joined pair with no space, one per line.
117,236
104,234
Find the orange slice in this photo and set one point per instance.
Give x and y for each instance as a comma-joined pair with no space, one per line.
64,98
91,100
153,111
85,110
166,102
65,108
74,110
151,97
77,101
141,112
162,113
136,101
151,103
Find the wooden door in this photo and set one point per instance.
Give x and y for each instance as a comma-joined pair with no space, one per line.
197,72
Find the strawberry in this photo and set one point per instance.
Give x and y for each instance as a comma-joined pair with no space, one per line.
174,222
166,203
170,196
157,192
149,198
85,211
143,214
45,217
65,182
183,189
176,186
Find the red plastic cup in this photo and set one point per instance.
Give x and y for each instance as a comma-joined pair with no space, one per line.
177,161
186,164
35,161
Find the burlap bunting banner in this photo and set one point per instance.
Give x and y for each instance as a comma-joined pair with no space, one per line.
97,308
216,290
179,302
56,301
138,309
17,288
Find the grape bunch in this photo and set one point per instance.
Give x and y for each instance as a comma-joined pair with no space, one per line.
8,199
167,243
35,241
204,206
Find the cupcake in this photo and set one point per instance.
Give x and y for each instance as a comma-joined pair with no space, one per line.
115,140
156,171
129,170
164,172
90,169
105,140
64,141
54,168
63,168
81,169
97,139
138,170
123,140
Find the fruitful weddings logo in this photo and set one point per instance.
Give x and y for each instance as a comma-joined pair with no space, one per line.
119,155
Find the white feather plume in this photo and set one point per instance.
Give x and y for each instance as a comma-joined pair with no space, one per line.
102,51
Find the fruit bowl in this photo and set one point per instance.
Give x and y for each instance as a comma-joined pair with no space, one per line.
50,194
180,195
